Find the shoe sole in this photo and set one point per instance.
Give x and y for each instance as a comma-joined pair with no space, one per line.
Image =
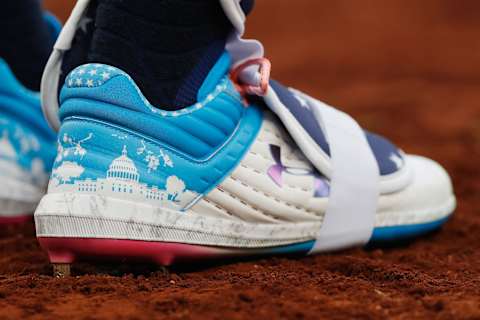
63,250
73,227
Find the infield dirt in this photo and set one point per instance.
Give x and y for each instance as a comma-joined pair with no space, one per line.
409,70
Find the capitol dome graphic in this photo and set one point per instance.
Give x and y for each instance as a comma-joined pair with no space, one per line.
122,180
123,168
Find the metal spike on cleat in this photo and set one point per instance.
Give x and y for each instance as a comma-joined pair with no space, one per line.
61,270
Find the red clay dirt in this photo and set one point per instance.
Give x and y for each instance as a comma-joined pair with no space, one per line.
407,69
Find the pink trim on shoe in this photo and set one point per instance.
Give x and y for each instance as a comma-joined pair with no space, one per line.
68,250
16,219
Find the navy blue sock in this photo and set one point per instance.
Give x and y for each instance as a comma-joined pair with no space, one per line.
25,40
167,46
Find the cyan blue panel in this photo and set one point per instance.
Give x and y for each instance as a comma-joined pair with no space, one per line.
104,111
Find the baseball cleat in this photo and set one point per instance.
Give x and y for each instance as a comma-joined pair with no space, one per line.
227,176
27,146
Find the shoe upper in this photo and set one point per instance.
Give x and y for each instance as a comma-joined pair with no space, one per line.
206,147
106,120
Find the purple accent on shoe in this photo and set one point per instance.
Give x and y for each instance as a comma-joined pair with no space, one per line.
321,187
275,172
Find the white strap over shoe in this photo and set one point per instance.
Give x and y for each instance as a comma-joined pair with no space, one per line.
350,216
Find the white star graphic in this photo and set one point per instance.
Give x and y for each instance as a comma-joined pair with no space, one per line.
70,82
78,82
105,75
397,160
303,102
90,83
81,71
83,24
93,72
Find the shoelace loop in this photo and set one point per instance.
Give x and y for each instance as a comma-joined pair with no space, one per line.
260,89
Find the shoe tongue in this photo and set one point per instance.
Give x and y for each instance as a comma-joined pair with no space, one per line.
216,74
311,136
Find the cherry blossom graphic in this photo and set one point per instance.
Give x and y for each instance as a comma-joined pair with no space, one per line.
153,158
69,146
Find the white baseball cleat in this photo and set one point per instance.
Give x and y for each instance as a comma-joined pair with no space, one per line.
223,177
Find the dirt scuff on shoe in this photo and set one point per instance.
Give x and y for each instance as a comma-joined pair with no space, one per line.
411,73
